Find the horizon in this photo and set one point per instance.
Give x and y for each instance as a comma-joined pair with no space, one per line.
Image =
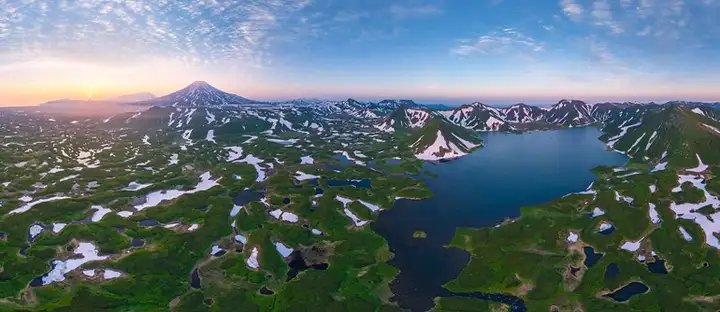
114,99
433,52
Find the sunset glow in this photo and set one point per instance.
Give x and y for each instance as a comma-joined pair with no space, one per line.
431,51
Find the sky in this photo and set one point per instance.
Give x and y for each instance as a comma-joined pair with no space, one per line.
431,51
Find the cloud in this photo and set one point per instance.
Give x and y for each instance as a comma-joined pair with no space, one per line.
572,9
644,32
507,41
405,11
204,31
603,16
668,21
350,16
600,52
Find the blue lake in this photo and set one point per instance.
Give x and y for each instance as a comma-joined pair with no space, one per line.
482,189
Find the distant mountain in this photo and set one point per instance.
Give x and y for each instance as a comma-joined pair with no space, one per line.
521,117
694,103
478,117
393,104
351,104
435,106
198,94
130,98
674,133
84,107
63,101
522,113
405,117
303,101
439,140
571,113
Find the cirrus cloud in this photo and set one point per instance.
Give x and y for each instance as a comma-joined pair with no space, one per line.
506,41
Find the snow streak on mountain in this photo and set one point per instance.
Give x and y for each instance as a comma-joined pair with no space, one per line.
198,93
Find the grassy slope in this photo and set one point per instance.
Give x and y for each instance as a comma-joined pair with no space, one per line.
356,280
679,132
426,136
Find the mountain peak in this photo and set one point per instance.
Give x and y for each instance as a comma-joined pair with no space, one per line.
198,93
405,117
680,132
439,139
199,83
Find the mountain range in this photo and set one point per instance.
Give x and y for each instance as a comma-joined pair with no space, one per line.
443,133
130,98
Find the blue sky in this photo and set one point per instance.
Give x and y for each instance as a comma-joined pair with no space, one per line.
441,51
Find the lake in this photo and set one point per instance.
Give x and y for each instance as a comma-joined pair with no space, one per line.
479,190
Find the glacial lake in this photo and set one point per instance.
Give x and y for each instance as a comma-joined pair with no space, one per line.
480,190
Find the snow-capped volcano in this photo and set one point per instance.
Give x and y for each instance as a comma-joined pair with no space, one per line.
198,93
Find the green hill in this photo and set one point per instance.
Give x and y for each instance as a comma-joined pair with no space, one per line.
439,139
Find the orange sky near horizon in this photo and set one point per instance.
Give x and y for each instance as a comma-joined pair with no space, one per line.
39,81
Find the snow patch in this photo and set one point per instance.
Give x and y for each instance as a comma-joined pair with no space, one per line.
284,251
654,215
29,205
234,153
110,274
155,198
252,261
210,136
631,246
88,251
255,162
301,176
306,160
597,212
100,212
572,237
173,160
355,219
701,166
685,234
134,186
57,227
235,210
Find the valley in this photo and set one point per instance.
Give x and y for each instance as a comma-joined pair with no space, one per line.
206,200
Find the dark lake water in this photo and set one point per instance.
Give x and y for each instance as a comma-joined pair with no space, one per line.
623,294
612,271
657,266
361,183
195,279
591,257
479,190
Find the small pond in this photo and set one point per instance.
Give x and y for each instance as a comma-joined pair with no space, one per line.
657,266
361,183
591,257
626,292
